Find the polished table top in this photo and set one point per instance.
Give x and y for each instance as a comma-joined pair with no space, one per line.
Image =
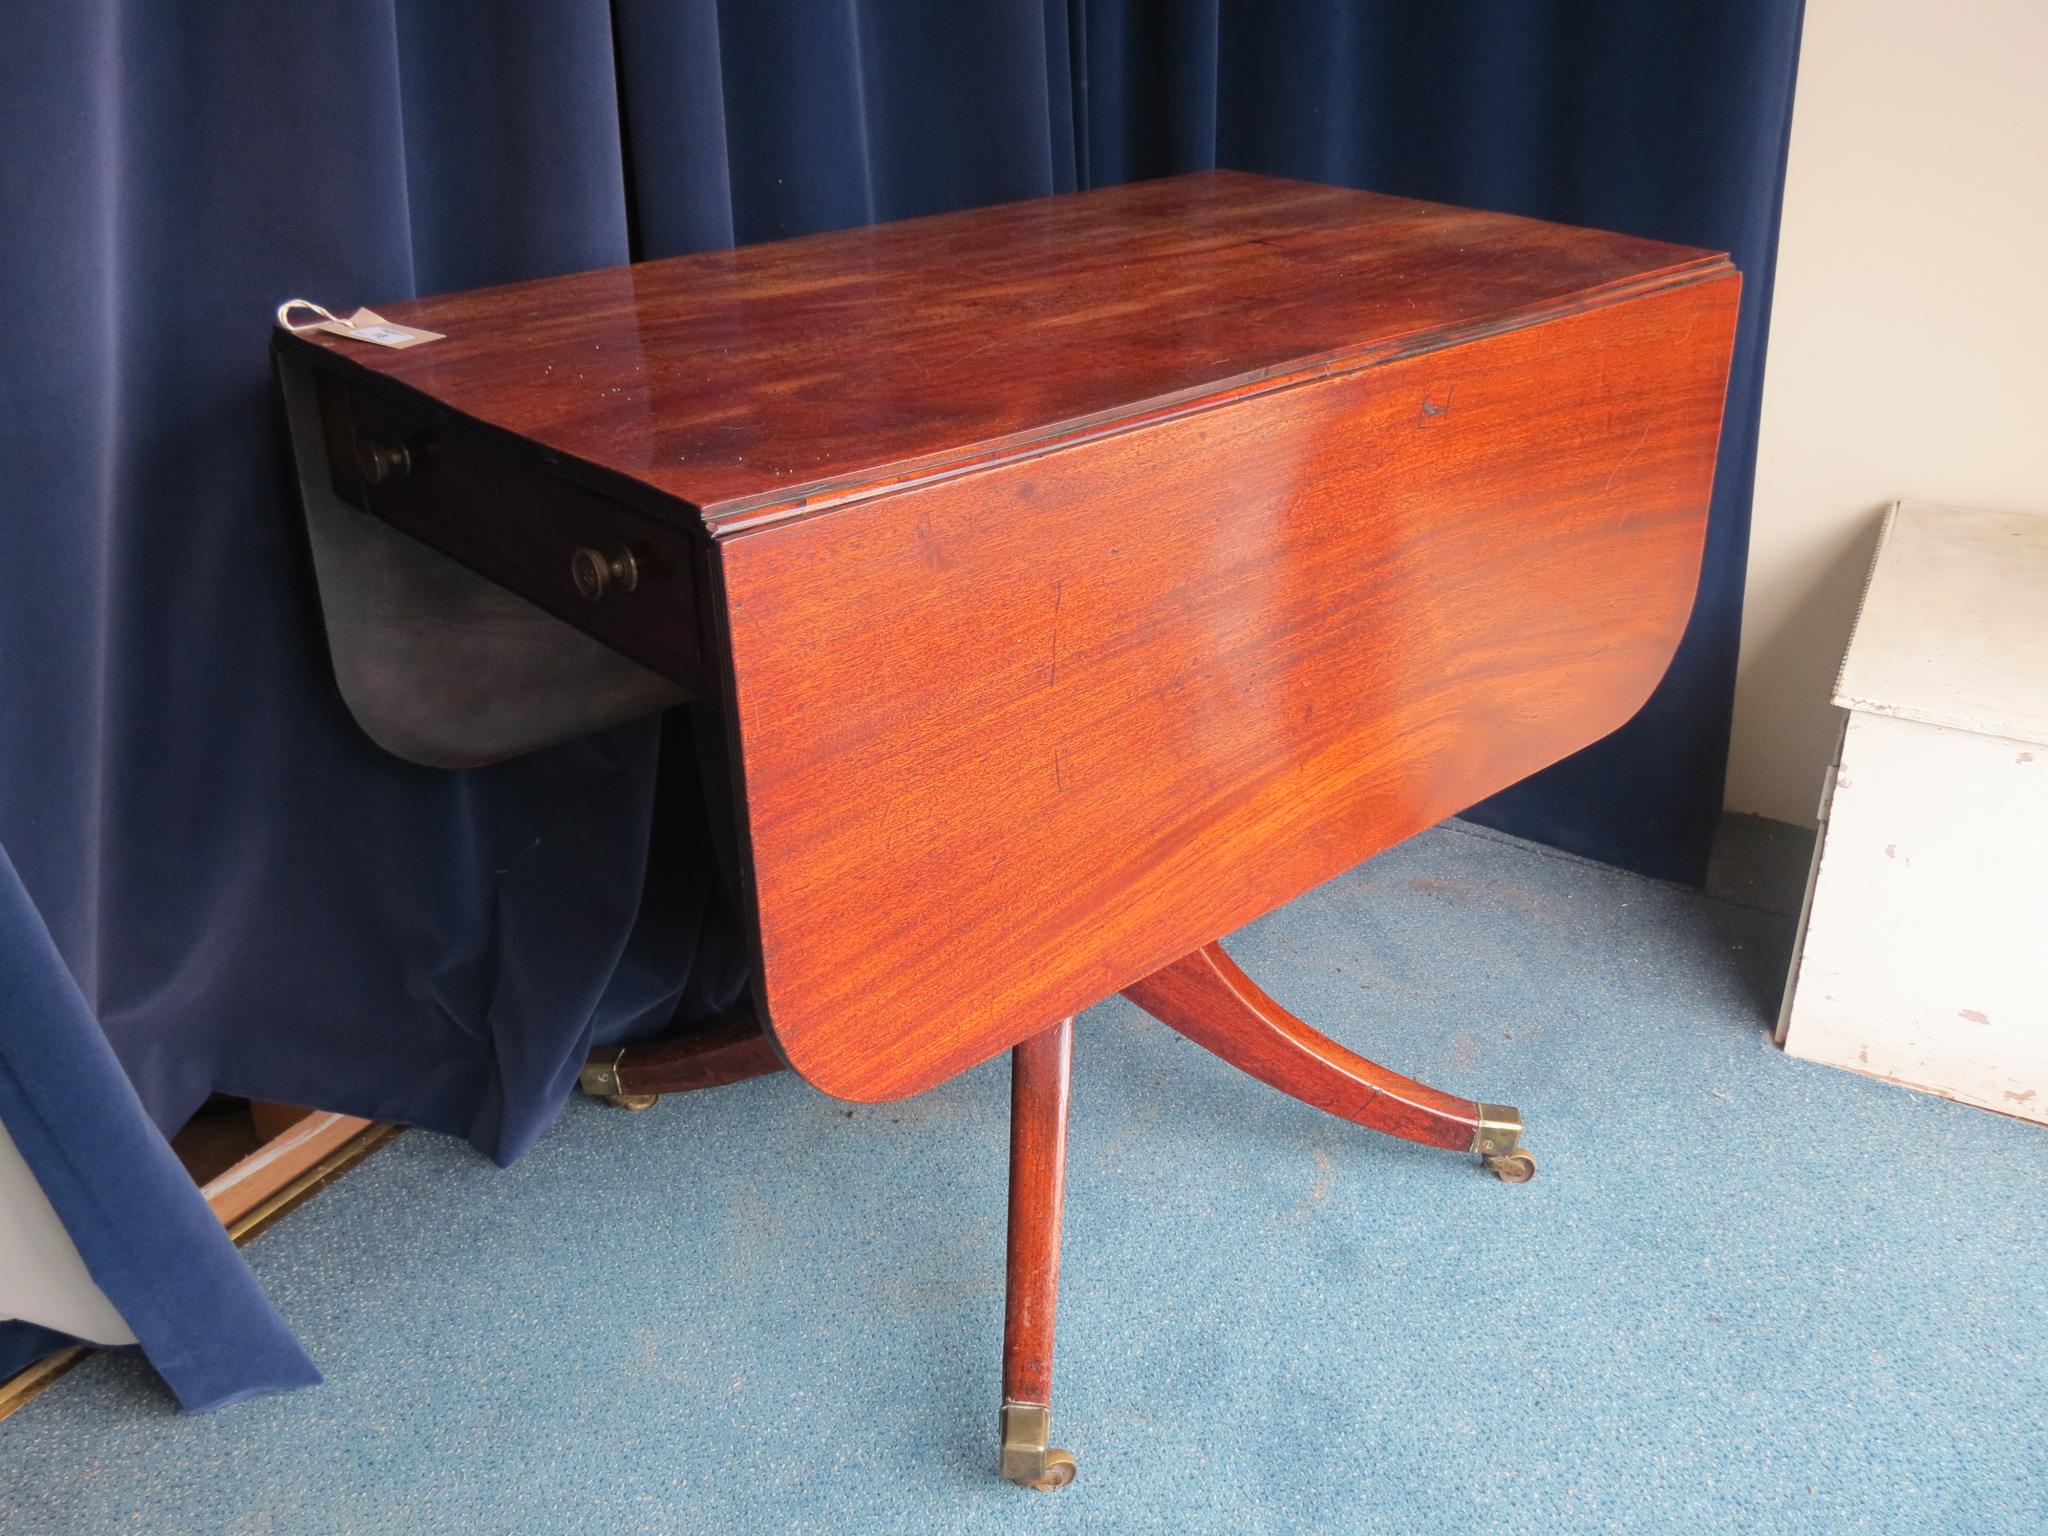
778,376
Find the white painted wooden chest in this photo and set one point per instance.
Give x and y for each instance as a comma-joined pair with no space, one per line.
1924,957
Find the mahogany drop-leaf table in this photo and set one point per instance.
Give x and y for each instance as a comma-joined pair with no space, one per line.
1075,581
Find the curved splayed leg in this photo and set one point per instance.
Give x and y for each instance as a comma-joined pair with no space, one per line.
1208,998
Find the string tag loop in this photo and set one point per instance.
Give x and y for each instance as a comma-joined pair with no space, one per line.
363,325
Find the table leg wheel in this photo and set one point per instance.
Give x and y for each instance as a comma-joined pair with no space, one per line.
1517,1167
1059,1471
634,1101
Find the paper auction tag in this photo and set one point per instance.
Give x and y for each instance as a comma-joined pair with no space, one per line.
363,325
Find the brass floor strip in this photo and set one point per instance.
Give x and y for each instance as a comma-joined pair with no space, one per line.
25,1384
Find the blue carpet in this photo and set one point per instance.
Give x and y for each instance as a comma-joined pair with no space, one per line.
1744,1294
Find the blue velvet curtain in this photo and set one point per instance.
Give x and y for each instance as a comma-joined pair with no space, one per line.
211,881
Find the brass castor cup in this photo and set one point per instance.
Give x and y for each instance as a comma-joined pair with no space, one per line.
1027,1460
1498,1141
600,1079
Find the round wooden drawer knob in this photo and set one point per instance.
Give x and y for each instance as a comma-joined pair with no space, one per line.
384,461
599,571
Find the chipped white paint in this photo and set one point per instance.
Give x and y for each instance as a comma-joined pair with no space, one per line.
1954,624
1924,957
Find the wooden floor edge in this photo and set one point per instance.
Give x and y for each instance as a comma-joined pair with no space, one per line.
278,1164
245,1220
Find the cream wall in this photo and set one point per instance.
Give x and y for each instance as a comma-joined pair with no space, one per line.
1908,350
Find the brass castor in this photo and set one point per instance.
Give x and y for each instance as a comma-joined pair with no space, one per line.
600,1080
1027,1460
1517,1167
1498,1141
1059,1471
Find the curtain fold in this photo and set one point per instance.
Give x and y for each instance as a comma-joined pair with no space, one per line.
147,1238
222,885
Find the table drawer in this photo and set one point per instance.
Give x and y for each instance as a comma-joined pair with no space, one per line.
614,572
